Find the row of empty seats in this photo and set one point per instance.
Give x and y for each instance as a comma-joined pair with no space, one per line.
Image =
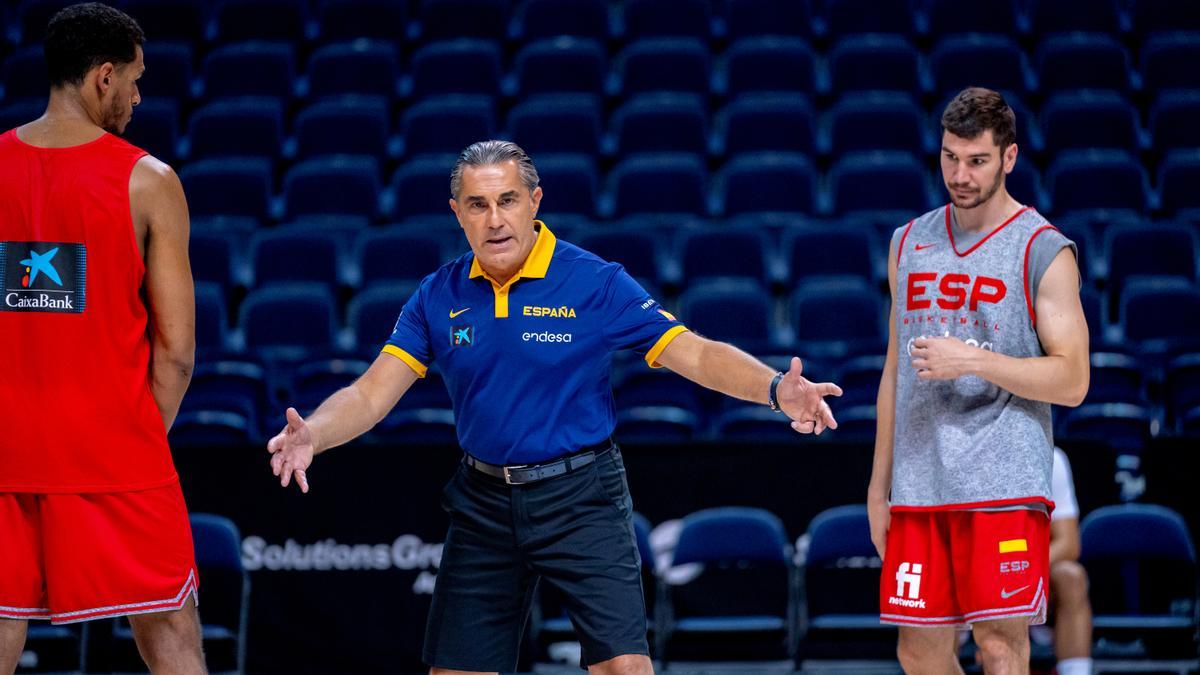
302,20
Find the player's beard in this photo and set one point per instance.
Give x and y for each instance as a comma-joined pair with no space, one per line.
115,118
984,196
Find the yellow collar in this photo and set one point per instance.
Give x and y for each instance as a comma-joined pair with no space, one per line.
535,265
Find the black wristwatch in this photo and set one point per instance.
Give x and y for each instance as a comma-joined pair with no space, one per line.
772,397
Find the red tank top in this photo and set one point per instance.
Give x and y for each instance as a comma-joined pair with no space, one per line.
75,405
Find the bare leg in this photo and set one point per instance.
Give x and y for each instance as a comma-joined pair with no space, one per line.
444,671
12,643
626,664
1004,644
1072,611
170,642
928,651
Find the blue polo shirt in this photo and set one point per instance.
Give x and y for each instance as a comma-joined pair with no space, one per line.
527,362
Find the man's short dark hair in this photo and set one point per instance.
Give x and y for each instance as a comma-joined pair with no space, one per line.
83,36
975,110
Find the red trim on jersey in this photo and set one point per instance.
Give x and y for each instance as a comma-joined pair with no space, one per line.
903,237
1028,250
950,231
1015,501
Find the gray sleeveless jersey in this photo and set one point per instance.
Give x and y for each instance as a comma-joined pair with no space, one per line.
967,443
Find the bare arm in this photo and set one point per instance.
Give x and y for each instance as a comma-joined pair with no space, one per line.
160,211
1060,377
880,487
1064,539
727,369
349,413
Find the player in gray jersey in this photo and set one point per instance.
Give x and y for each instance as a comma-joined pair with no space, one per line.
987,332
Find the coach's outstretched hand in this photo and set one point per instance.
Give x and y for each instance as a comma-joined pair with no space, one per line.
804,401
292,450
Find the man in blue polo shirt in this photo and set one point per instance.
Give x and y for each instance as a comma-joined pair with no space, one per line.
524,328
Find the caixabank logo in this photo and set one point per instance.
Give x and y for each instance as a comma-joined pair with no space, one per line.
43,276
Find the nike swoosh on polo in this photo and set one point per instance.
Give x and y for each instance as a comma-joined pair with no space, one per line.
1004,595
454,313
922,247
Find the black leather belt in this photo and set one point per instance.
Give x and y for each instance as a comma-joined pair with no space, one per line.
521,474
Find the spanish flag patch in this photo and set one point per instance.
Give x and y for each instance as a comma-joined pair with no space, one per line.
1014,546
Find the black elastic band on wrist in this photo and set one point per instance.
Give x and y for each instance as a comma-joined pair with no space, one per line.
772,397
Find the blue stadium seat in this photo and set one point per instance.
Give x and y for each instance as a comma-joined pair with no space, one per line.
172,77
993,61
769,63
859,379
154,128
313,382
738,311
837,318
746,18
875,62
218,550
948,17
877,181
569,185
339,20
1160,314
661,123
372,313
664,64
15,114
1082,61
166,20
841,580
766,122
1181,388
642,387
1123,426
32,16
844,17
397,254
877,121
246,127
275,20
422,186
250,69
837,252
456,67
345,125
1173,120
661,183
746,589
1144,555
360,67
289,321
1116,378
725,252
638,250
561,65
752,424
656,425
1093,263
557,123
1165,58
666,18
1178,176
1094,312
535,19
447,124
1097,179
335,185
1163,16
767,181
1089,119
212,317
210,428
418,426
1145,249
298,254
25,74
231,385
1025,183
228,187
1066,16
446,19
215,258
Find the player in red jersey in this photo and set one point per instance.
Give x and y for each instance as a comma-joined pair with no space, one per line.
96,350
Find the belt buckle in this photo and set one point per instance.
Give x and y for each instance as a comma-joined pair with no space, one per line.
508,476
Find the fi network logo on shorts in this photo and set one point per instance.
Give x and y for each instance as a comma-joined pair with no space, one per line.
43,276
462,336
908,578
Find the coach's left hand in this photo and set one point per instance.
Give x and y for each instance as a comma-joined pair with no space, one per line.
804,401
942,358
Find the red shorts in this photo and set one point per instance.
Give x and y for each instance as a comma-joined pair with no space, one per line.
74,557
950,568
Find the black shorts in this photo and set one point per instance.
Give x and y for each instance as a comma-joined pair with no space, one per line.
574,532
